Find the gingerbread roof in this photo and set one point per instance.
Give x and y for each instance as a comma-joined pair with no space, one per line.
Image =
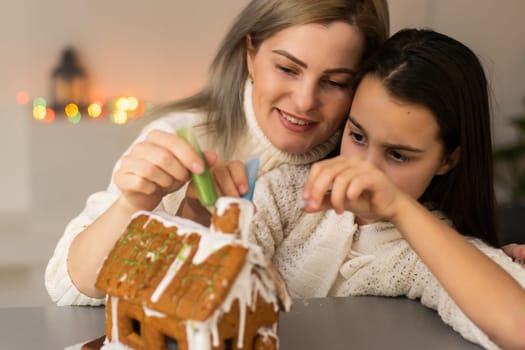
180,268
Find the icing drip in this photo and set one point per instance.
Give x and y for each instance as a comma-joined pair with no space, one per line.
198,335
152,313
177,263
114,319
211,243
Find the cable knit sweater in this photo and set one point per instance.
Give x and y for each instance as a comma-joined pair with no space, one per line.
57,280
326,254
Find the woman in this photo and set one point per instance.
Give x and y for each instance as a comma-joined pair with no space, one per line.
271,91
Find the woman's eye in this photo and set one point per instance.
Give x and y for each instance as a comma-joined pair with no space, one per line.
357,137
335,84
398,157
286,70
338,84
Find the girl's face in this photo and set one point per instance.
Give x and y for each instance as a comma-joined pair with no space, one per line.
399,138
301,83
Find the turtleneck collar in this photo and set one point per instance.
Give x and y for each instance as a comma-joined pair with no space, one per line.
271,156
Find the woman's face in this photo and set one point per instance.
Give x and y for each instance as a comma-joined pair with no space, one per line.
399,138
301,83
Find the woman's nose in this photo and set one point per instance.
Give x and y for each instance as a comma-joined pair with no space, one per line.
306,97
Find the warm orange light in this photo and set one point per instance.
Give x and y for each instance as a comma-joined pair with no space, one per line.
120,117
133,103
22,98
50,116
94,110
122,104
39,112
71,110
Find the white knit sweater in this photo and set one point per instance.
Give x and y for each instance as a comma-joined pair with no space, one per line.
326,254
254,141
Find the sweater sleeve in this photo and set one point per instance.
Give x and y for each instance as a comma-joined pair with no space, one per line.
57,280
395,270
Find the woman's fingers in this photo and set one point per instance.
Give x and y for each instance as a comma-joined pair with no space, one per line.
179,149
151,172
230,179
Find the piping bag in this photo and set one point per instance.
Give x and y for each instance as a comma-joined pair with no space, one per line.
252,167
203,181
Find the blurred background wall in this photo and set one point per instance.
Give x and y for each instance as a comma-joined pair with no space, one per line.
157,51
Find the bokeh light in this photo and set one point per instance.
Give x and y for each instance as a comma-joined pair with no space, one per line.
22,98
119,117
39,101
75,118
71,110
94,110
39,112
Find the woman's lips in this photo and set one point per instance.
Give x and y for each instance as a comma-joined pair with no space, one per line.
295,124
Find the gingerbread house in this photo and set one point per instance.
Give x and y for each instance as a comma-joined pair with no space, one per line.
175,284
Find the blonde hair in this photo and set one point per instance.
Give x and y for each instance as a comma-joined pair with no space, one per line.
222,97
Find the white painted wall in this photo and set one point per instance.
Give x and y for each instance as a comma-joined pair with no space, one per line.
159,50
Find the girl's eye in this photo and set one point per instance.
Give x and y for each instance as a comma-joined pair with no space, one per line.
286,70
357,137
398,157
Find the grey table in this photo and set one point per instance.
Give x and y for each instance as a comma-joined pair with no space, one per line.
341,323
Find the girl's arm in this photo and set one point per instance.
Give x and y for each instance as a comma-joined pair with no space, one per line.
488,295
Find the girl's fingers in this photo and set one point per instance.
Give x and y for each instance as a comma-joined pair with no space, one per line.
321,179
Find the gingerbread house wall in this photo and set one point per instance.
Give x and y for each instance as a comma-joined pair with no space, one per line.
140,330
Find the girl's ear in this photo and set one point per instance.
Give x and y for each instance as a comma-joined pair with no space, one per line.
250,56
450,162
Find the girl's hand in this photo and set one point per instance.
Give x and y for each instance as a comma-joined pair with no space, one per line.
155,167
347,183
230,179
516,252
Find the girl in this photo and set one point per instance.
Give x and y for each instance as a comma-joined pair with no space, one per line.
412,197
270,92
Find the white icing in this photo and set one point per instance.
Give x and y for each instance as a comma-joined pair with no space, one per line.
114,319
198,335
177,263
209,244
184,226
152,313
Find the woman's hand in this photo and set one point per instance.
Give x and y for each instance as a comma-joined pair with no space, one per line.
347,183
229,177
230,180
516,252
155,167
